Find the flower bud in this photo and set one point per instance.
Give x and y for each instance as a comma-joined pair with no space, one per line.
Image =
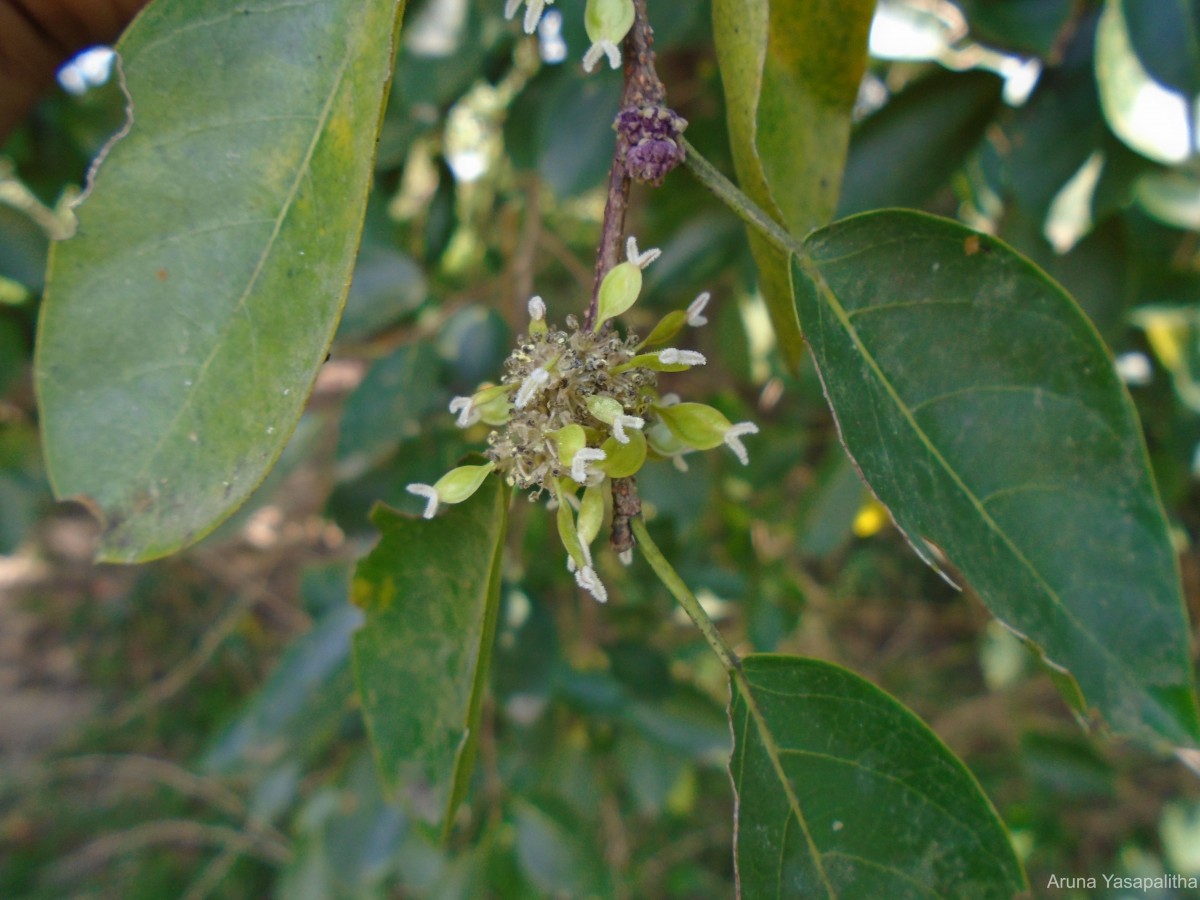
453,487
703,427
459,484
606,409
570,439
568,533
669,326
490,404
623,459
664,441
496,411
618,292
650,142
537,316
696,424
591,513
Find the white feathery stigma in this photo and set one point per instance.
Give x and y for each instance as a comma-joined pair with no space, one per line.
579,469
696,308
511,7
431,498
599,49
467,413
533,14
732,439
671,357
626,557
587,579
641,260
620,423
533,383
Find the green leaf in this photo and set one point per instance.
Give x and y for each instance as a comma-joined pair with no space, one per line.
556,851
185,322
387,407
875,805
984,411
791,70
430,590
1172,197
911,147
1168,38
23,248
1026,26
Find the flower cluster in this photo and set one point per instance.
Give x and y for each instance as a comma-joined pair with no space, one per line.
649,142
578,407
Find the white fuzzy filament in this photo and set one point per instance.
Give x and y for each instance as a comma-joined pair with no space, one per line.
533,383
579,469
672,357
620,423
467,413
641,260
732,438
587,579
599,49
431,498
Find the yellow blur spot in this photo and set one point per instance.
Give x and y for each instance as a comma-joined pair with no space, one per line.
1166,338
368,596
681,799
871,519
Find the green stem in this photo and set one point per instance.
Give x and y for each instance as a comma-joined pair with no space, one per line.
741,205
670,578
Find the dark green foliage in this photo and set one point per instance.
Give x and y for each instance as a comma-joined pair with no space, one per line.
508,737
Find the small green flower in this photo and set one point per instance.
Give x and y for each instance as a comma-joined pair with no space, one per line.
607,22
577,408
453,487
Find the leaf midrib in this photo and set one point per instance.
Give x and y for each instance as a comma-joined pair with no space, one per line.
301,172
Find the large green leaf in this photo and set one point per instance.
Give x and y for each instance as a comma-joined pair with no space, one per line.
874,805
791,70
431,591
983,410
185,322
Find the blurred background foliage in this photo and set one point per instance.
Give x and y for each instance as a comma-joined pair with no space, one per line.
189,728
